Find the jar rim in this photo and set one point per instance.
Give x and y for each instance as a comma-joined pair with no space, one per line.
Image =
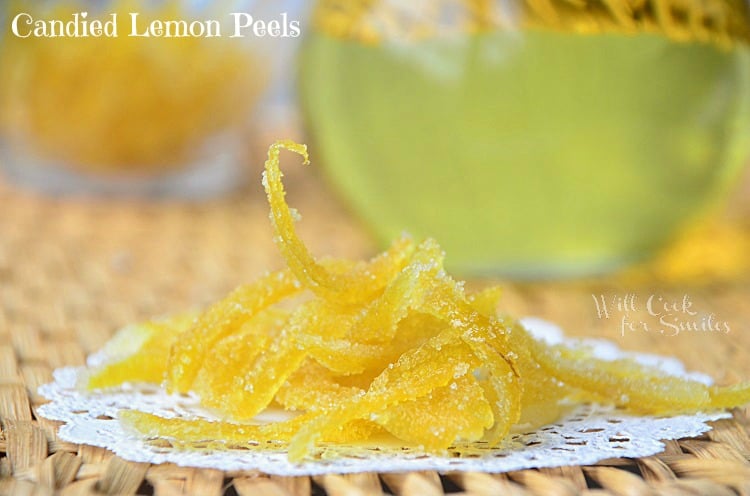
720,22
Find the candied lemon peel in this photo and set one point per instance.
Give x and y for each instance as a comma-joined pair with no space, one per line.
156,101
390,347
722,22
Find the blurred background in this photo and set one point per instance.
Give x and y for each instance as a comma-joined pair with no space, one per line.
572,151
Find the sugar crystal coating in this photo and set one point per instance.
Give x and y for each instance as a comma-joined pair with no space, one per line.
391,348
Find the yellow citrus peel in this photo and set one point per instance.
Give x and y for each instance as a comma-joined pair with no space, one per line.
156,102
392,347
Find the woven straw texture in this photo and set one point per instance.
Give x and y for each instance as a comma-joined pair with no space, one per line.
74,270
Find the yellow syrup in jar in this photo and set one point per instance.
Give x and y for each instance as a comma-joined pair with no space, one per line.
551,142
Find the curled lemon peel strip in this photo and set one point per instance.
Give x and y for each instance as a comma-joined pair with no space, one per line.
390,347
351,287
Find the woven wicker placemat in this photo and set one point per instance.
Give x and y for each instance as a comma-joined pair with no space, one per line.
74,270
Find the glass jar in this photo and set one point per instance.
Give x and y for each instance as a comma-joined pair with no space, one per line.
532,138
94,100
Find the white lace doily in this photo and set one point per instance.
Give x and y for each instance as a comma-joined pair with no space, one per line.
588,434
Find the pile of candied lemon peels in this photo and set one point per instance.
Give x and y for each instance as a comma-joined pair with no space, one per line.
390,347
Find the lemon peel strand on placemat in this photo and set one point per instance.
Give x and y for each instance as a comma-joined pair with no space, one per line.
584,435
400,348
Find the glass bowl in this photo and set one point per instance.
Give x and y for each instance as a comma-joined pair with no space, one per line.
108,112
533,139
